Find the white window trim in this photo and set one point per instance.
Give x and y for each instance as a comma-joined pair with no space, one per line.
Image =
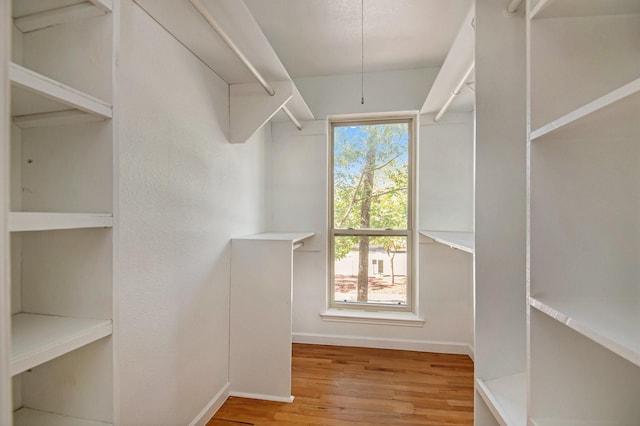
375,312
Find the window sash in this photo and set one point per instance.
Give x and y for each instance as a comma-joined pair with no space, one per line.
408,232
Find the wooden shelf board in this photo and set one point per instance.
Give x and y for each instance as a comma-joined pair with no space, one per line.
620,105
572,8
36,221
36,339
506,397
614,327
33,93
31,417
294,237
464,241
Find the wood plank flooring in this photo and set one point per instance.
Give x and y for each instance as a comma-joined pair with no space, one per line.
336,385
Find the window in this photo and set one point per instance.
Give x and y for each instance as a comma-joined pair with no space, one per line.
370,215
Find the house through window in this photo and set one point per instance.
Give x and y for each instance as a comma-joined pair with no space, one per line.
371,214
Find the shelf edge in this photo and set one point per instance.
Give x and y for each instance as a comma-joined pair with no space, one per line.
587,109
37,221
51,89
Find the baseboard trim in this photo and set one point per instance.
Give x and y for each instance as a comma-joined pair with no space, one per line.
383,343
212,407
263,397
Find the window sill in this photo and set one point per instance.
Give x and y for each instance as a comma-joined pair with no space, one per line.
408,319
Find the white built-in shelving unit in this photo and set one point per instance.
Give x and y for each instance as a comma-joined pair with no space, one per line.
261,318
584,230
500,216
60,213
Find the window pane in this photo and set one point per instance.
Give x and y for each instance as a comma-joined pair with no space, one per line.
378,276
370,182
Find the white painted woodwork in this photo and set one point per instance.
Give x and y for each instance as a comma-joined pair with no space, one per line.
593,69
30,417
36,339
617,109
567,8
61,284
500,207
583,165
482,414
261,315
186,24
49,119
251,107
614,326
574,379
460,56
51,91
5,205
506,397
63,15
33,221
464,241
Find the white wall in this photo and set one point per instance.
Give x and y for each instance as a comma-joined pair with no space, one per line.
183,192
297,194
383,91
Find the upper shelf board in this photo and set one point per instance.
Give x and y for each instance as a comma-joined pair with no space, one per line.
464,241
62,15
36,221
182,20
36,339
23,8
573,8
34,93
614,327
616,113
455,65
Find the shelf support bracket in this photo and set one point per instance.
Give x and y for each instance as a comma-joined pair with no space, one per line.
251,107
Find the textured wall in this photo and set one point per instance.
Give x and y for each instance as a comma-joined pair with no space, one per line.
183,192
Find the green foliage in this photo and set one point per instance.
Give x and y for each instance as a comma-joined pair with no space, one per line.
389,195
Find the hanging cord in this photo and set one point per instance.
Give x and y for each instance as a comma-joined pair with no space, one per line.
362,50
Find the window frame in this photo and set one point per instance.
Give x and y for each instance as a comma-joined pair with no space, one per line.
409,232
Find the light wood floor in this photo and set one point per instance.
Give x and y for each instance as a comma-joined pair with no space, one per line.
336,385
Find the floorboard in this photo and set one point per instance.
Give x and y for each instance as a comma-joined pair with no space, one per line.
335,385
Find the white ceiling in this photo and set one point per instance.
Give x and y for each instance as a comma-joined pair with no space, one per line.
323,37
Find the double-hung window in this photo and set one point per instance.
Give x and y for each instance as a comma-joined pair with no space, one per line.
370,214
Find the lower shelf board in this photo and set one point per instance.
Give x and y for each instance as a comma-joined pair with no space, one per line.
31,417
506,397
36,339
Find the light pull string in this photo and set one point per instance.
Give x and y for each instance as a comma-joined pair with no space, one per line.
362,51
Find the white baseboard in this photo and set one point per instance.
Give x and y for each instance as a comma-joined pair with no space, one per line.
212,407
263,397
385,343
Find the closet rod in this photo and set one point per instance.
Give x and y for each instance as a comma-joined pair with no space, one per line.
513,6
455,92
236,50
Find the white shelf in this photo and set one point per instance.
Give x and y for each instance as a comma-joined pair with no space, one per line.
567,8
294,237
464,241
614,327
58,16
30,417
36,339
33,93
610,104
506,397
35,221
